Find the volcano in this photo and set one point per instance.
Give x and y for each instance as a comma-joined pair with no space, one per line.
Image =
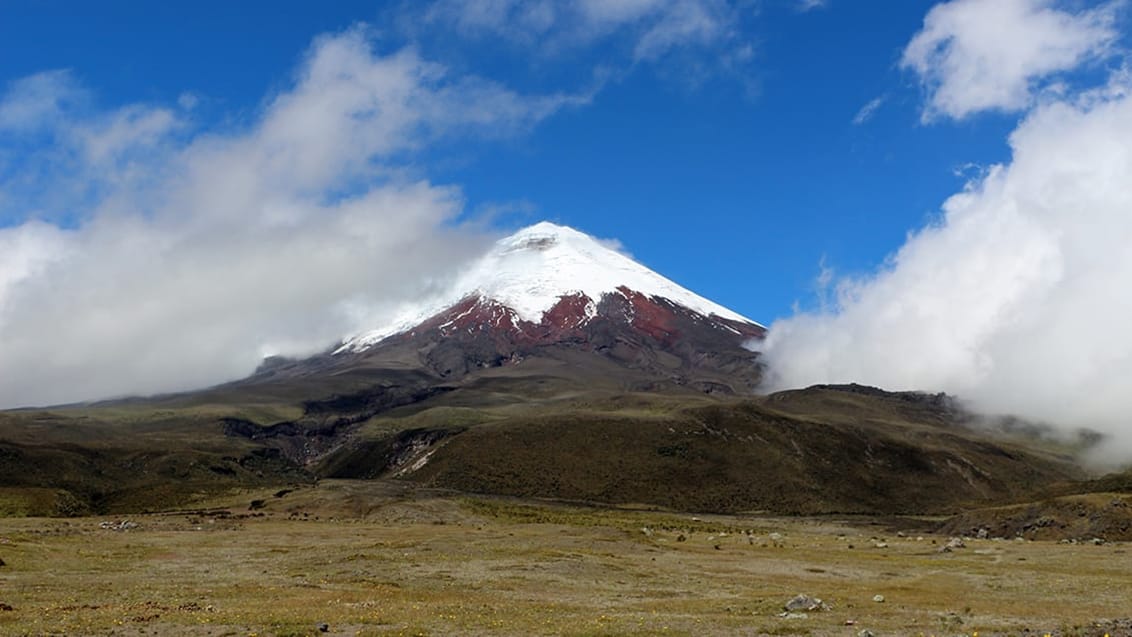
552,292
547,282
554,366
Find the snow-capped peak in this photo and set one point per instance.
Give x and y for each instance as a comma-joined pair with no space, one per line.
531,270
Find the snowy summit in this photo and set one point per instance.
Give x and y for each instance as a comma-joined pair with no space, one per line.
531,271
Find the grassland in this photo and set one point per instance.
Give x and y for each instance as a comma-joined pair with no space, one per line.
384,558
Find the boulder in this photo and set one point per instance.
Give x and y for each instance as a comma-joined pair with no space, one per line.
805,603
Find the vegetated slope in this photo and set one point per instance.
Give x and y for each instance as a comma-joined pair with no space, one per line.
1080,510
881,454
1103,516
85,460
550,435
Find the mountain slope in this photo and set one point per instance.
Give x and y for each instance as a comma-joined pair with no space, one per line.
872,453
548,295
554,367
548,275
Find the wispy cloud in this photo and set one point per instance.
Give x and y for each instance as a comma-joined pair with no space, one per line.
166,256
810,5
36,102
653,28
978,55
868,110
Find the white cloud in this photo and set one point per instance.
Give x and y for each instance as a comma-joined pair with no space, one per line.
1018,299
128,130
188,255
25,251
682,24
618,11
978,55
868,110
33,102
810,5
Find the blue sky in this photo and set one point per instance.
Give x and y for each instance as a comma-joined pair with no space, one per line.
919,194
735,182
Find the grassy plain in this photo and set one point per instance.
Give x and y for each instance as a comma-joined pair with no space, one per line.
385,558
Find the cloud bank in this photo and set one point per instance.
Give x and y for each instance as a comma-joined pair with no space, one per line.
142,254
1018,297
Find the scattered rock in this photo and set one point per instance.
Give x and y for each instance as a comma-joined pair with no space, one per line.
117,525
982,533
789,615
865,633
951,620
1096,541
681,538
647,531
952,544
880,545
3,563
323,627
878,598
805,602
6,608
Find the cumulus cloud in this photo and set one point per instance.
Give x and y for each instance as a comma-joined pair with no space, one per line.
1017,299
978,55
154,255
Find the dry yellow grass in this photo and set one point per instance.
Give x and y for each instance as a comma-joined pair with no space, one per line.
374,559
